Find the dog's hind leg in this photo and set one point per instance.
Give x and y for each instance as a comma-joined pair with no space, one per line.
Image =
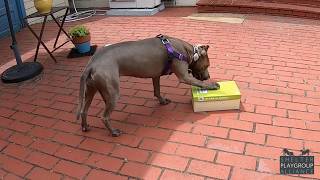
110,95
89,94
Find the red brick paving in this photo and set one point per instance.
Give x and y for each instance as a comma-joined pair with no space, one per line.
274,60
308,8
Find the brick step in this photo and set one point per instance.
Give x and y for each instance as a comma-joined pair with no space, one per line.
308,8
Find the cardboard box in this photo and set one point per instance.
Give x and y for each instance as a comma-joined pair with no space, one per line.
226,98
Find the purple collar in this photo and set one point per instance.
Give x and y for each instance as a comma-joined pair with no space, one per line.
171,53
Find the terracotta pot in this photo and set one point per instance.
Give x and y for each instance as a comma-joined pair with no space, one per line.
43,6
79,40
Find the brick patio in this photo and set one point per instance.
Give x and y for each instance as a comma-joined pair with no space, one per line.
275,61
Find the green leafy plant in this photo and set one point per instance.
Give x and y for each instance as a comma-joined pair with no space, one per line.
78,31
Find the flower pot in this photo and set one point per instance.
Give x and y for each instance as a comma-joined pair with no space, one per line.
83,47
82,44
79,40
43,6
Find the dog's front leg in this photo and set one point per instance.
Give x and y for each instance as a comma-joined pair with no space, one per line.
156,91
195,82
181,71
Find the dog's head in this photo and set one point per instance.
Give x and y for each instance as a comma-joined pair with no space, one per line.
200,63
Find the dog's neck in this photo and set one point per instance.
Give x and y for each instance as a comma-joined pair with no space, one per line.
191,51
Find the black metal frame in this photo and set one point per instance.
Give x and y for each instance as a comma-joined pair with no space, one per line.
39,38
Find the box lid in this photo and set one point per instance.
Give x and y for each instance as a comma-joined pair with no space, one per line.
228,91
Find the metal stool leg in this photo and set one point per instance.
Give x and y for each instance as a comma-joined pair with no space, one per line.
60,27
40,40
41,33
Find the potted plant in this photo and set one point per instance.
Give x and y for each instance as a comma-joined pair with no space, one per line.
80,36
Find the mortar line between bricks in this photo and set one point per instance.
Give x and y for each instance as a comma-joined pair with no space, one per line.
17,159
230,173
64,176
66,145
14,107
9,115
305,93
21,132
290,134
8,172
9,137
289,175
178,171
257,163
217,150
87,174
254,123
81,142
119,170
215,158
245,149
140,141
55,132
192,128
206,141
304,145
161,173
97,168
228,134
265,139
238,141
188,165
2,176
37,166
4,147
53,155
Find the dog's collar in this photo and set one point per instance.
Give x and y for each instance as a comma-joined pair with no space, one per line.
196,52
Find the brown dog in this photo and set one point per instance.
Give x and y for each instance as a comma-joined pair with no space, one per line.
146,58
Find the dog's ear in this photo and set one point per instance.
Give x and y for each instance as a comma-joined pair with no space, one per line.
205,47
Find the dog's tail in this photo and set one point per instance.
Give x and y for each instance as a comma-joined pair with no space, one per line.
82,91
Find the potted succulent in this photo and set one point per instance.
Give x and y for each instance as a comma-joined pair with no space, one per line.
80,36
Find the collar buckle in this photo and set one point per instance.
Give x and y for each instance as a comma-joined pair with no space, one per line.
165,41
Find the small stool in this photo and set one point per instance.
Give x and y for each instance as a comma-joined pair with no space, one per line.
39,38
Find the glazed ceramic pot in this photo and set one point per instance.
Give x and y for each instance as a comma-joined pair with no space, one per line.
43,6
83,47
79,40
82,44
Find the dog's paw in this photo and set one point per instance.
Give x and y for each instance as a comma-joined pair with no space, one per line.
85,128
214,86
116,133
164,101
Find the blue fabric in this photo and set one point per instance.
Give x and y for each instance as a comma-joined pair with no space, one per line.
171,53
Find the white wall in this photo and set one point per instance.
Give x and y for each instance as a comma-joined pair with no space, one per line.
91,3
105,3
29,6
134,3
186,2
